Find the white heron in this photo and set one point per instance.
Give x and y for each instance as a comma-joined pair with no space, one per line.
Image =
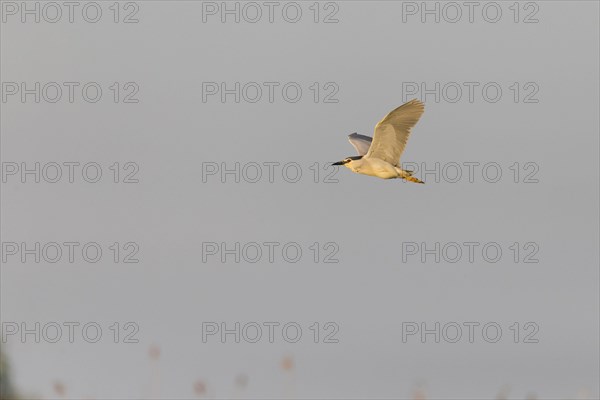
380,156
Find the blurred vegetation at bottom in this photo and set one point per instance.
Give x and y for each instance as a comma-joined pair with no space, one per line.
7,390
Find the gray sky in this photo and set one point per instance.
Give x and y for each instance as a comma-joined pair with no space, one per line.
182,215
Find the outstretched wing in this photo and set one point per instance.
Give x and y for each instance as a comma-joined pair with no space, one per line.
392,132
360,142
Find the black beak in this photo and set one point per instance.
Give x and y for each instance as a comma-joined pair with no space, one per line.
338,163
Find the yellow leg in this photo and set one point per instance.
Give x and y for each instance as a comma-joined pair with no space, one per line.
413,179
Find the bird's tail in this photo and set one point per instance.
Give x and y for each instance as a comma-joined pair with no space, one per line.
411,178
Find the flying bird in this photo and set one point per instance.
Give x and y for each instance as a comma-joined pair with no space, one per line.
380,155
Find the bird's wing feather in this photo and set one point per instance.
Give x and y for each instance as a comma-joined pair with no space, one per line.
360,142
392,132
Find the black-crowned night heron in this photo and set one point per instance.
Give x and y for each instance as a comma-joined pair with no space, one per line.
380,156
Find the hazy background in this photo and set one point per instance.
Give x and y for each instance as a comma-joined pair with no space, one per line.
369,53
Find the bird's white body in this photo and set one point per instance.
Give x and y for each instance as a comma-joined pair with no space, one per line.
380,156
376,167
